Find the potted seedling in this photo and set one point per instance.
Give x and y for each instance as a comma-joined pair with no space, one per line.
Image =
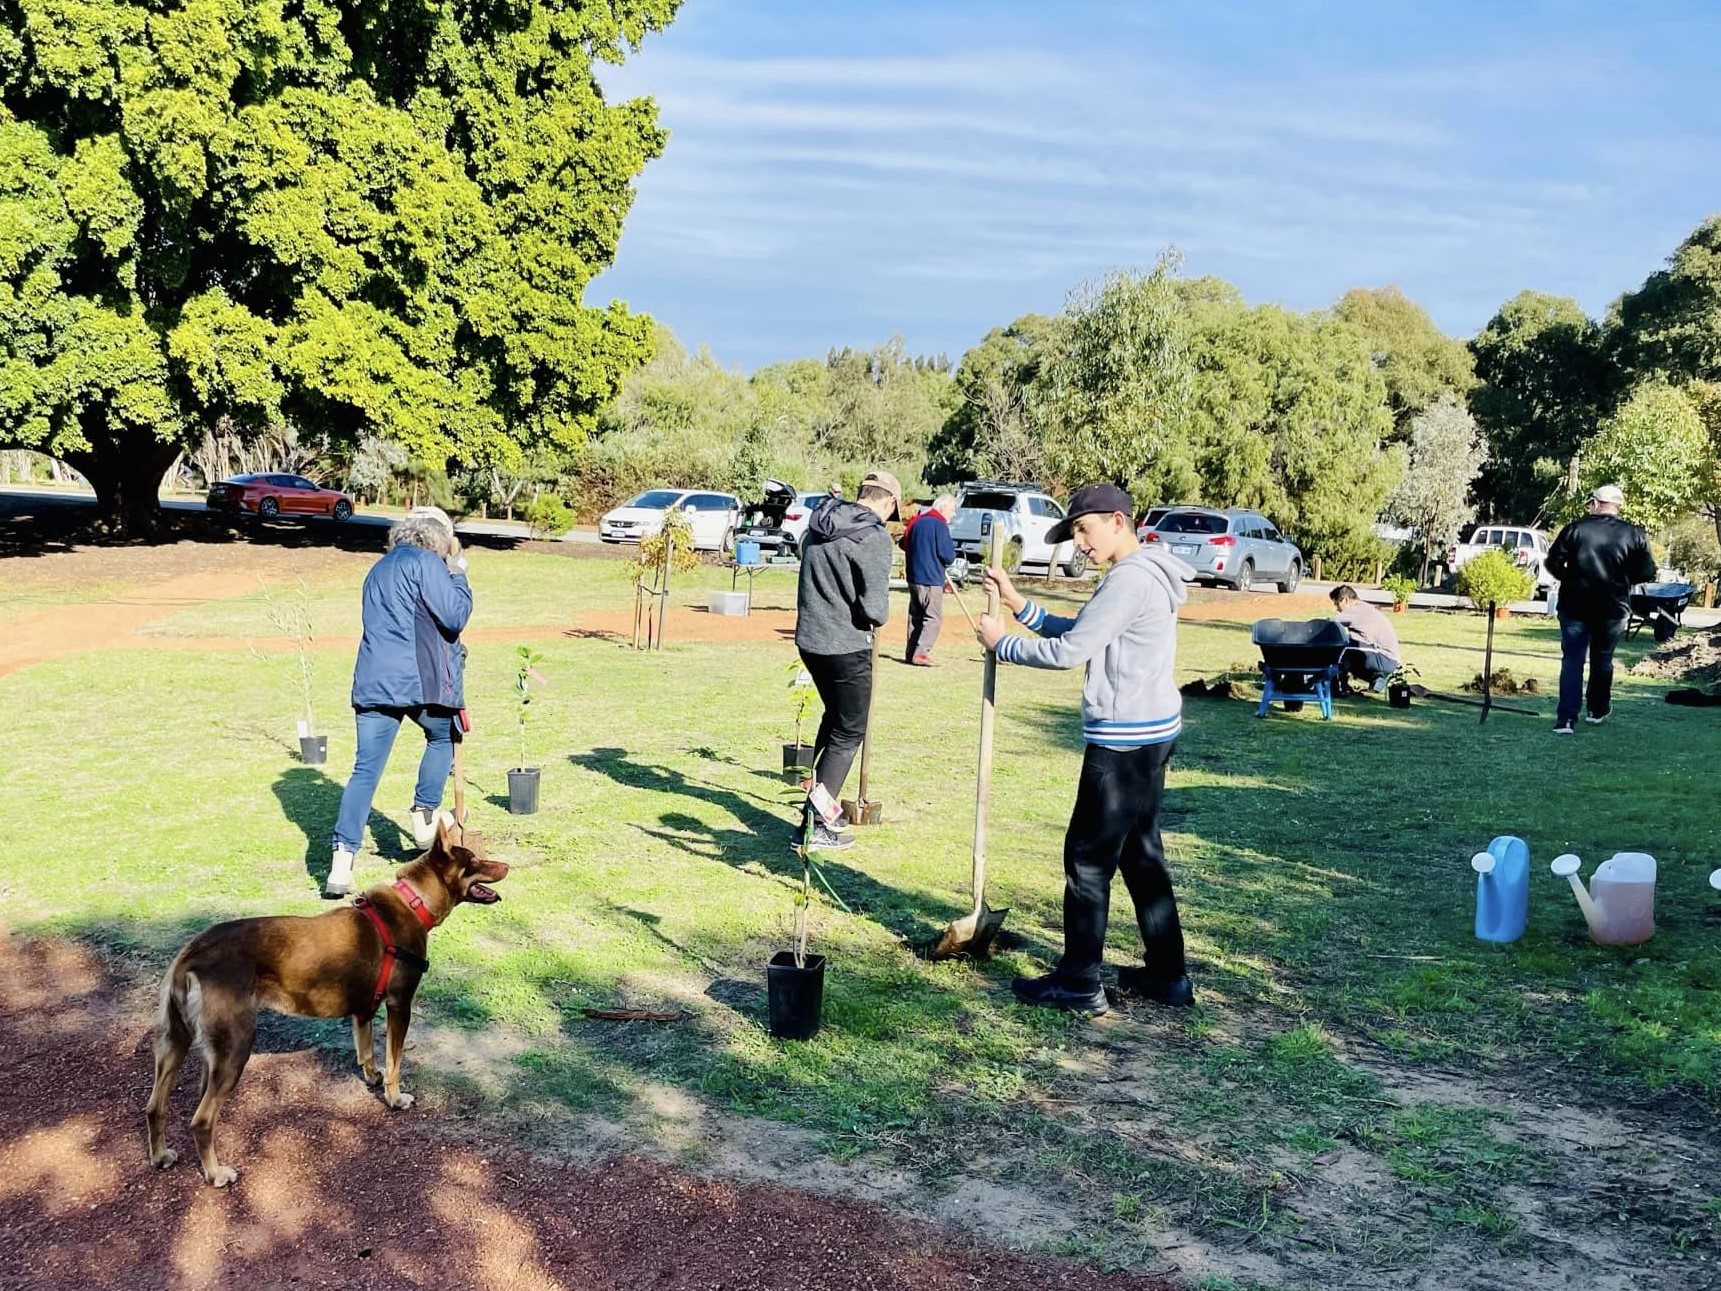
1398,690
795,979
1399,587
292,619
798,757
522,779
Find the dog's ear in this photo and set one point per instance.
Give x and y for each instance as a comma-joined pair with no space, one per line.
446,835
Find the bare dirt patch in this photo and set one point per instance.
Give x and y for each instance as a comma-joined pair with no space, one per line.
337,1191
1692,658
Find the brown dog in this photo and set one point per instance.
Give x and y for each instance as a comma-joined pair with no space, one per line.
346,962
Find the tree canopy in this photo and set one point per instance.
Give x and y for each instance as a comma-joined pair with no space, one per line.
350,218
1420,364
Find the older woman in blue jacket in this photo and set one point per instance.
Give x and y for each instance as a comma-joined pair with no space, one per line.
410,666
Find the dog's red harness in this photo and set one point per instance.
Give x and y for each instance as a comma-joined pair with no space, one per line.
390,951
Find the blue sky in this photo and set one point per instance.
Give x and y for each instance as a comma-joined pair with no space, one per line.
839,173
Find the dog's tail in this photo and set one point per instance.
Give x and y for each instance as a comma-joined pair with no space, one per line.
178,1011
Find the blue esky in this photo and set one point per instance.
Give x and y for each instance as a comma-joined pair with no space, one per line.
838,173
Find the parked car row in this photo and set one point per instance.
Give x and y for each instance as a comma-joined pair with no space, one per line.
1232,547
713,517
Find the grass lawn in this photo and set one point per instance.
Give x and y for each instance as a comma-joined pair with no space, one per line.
1349,1022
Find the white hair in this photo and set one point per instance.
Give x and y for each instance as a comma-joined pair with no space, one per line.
418,529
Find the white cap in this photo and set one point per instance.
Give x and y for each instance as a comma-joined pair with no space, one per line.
437,514
1611,494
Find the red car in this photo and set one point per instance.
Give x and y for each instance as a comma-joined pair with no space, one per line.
278,495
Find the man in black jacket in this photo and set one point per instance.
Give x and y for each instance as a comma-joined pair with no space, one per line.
1598,560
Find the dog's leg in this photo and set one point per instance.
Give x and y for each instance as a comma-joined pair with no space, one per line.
399,1016
226,1050
172,1039
364,1040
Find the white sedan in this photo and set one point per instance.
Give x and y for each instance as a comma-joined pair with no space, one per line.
713,516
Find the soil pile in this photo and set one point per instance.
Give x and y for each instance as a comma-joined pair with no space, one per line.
1688,658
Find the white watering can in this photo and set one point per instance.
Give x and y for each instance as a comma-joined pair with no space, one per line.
1620,903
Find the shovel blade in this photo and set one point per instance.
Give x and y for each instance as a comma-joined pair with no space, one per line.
863,811
972,935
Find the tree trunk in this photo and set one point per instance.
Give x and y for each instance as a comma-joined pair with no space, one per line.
126,472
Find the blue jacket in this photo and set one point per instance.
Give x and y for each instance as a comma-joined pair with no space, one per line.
410,654
930,549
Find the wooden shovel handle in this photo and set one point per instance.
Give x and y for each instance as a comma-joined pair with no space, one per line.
983,779
866,737
459,781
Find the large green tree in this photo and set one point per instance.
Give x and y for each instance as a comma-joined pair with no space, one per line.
357,217
1657,449
989,434
1544,381
1445,454
1669,329
1419,363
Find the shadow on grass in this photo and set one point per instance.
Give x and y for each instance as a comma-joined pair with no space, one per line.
763,840
311,800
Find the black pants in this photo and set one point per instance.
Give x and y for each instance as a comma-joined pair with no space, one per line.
844,683
1115,826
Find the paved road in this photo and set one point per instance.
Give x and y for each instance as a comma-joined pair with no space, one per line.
489,528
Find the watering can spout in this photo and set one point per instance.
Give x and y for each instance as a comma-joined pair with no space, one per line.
1567,868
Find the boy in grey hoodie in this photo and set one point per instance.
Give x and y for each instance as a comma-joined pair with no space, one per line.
844,594
1131,716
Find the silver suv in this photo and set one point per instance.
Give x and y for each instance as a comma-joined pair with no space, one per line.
1236,548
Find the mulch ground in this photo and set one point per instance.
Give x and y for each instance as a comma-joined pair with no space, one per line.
335,1190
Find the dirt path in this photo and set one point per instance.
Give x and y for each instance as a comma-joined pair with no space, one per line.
337,1191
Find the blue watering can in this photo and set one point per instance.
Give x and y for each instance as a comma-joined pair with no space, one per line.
1502,889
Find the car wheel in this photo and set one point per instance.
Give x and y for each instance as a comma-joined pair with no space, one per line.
1077,564
343,510
1246,576
268,508
1290,581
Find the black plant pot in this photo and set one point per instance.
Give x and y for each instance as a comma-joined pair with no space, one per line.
797,762
313,750
523,790
1398,695
797,995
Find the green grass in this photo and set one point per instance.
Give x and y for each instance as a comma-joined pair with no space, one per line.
1322,873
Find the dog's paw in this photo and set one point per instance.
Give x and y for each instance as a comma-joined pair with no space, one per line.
220,1176
372,1077
163,1159
399,1101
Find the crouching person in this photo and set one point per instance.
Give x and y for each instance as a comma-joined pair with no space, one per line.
1372,655
1131,715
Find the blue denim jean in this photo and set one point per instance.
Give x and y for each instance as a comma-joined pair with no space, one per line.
377,728
1592,640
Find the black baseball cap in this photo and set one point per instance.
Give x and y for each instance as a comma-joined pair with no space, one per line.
1091,499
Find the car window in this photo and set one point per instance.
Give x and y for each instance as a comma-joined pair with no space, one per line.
1051,509
988,500
708,502
1271,534
656,499
1191,522
1525,539
300,482
813,499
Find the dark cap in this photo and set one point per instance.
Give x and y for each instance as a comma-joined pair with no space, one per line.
1091,499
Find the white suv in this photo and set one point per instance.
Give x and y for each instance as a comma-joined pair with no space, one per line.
1026,516
1527,547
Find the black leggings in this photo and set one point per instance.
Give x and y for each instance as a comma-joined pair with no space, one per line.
844,683
1115,826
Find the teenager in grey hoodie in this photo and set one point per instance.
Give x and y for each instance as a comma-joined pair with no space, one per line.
844,595
1131,715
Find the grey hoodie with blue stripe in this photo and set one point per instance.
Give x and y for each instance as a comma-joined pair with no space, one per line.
1127,636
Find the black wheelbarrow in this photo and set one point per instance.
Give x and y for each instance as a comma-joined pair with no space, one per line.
1299,662
1658,606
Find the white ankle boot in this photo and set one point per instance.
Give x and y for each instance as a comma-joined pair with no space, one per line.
424,821
340,880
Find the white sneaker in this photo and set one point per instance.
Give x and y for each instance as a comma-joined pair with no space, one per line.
340,880
424,821
1597,721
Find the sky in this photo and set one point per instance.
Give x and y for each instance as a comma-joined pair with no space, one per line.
839,173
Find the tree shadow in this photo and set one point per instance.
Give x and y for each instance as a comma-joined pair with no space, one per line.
763,841
311,800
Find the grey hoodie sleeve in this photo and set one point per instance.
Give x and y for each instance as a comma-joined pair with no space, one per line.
1102,620
872,559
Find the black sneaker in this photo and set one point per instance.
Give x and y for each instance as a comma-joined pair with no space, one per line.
823,840
1177,992
1052,991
